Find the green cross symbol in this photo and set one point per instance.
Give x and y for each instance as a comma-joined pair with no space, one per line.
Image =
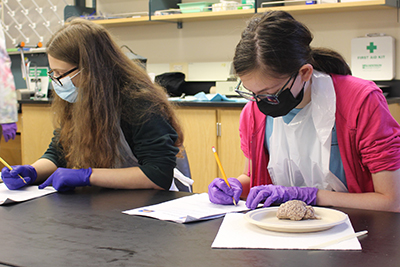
371,47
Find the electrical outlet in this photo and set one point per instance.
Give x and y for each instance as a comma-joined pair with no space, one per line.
179,67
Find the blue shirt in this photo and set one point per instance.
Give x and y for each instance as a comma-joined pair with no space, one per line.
335,163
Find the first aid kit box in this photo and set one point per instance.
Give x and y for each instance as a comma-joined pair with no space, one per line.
373,58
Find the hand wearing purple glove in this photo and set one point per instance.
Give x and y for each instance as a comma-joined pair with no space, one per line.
280,194
67,179
220,193
12,179
9,131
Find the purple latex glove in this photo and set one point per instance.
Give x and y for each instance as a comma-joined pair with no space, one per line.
280,194
220,193
9,131
67,179
13,181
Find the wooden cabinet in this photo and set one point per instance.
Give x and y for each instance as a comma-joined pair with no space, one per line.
35,130
11,151
199,127
205,127
37,125
395,111
228,143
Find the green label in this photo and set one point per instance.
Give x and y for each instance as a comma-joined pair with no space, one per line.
371,66
40,72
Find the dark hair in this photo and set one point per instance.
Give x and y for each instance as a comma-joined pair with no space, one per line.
277,43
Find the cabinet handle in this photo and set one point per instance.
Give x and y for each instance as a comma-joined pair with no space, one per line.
218,129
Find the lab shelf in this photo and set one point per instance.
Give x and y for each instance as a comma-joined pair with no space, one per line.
237,14
334,7
123,21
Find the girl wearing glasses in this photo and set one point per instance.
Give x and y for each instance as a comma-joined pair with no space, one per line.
117,129
311,131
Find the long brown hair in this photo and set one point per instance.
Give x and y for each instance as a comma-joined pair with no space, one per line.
111,88
278,44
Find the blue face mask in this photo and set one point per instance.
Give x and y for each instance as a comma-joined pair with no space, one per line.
67,91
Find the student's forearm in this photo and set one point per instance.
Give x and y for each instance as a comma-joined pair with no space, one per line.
370,201
386,196
126,178
245,181
44,168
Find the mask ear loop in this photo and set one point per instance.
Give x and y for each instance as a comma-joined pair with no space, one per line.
76,74
307,85
301,93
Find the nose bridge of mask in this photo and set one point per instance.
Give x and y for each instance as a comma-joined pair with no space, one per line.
287,86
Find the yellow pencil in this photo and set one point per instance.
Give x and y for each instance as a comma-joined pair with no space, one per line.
9,167
222,171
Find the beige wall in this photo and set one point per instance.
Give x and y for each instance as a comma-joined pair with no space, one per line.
211,41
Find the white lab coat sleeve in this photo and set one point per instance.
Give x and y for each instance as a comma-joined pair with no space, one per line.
8,96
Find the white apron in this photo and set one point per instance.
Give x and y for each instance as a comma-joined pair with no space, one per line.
129,160
300,150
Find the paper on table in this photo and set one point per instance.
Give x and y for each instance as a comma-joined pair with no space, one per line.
26,193
207,97
187,209
236,232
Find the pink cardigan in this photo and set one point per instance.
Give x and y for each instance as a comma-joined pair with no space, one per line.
368,136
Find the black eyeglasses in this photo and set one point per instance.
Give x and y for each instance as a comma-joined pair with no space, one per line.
269,98
57,79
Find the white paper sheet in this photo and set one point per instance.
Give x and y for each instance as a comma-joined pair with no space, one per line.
236,232
187,209
26,193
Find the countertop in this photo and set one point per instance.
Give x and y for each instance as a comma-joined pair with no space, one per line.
176,103
32,101
390,100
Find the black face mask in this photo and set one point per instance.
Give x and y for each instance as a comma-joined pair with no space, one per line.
287,102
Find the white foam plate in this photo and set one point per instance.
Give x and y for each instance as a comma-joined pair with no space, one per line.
266,219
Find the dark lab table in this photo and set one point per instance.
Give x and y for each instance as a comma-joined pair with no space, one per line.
87,228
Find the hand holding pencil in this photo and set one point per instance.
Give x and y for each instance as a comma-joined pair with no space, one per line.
224,191
17,176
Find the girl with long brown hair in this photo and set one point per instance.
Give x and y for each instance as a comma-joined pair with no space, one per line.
115,129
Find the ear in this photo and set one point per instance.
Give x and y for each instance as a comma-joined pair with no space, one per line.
305,72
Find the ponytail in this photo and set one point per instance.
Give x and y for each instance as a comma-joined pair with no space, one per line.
329,61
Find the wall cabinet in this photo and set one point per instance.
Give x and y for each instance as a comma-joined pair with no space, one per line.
235,14
205,127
